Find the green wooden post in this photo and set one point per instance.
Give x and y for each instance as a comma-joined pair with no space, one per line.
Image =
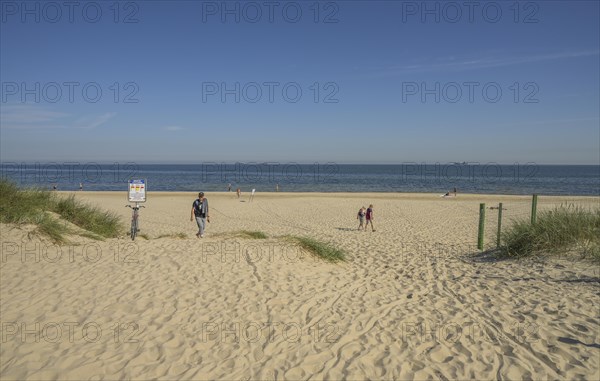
481,226
534,209
499,224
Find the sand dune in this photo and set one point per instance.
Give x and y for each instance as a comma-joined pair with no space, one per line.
407,304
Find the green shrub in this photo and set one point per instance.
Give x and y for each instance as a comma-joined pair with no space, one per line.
561,230
91,218
31,206
253,234
321,249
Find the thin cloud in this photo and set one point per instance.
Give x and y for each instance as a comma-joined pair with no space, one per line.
452,64
26,117
553,121
89,122
28,114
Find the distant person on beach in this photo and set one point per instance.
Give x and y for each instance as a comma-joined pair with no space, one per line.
361,218
239,192
54,187
228,187
277,187
80,186
370,217
200,212
447,194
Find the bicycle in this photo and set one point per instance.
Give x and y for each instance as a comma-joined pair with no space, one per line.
134,219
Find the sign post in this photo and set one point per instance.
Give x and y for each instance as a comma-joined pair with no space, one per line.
481,226
137,191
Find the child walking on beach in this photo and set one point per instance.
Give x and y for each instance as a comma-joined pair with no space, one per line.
361,218
370,217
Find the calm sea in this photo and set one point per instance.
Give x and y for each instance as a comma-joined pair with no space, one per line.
319,177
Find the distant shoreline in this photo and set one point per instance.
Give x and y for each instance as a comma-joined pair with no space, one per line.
389,195
516,179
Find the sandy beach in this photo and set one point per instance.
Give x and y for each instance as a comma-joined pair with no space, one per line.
411,301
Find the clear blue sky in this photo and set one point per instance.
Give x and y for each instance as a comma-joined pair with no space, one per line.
374,61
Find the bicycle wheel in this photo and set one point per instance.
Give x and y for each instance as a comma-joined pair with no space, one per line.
133,227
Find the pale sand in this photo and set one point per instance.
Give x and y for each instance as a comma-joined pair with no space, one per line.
407,304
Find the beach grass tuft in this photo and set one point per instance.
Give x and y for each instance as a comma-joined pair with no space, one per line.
90,218
23,206
179,235
33,206
52,228
253,234
559,231
320,249
91,235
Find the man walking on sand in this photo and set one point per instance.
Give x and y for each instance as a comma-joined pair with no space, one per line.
200,212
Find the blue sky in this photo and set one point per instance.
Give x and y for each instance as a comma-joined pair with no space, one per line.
168,82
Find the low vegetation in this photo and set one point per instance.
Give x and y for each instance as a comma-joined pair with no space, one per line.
320,249
564,230
90,218
173,235
36,206
253,234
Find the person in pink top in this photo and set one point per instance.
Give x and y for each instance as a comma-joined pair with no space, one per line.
370,217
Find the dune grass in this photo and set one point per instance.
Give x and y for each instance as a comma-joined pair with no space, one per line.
90,218
34,206
30,206
52,228
179,235
23,206
91,235
253,234
320,249
559,231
